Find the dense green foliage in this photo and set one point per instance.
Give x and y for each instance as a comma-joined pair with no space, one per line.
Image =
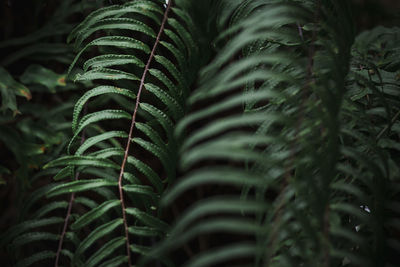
204,133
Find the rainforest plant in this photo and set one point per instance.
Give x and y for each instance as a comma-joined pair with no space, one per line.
208,133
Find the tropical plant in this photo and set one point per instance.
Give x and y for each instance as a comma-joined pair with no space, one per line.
217,133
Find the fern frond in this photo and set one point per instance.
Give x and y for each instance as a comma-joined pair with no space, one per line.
149,81
271,141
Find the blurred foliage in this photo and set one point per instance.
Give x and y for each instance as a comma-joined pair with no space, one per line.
36,101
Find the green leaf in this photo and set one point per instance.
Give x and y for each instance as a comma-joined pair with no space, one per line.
94,117
105,251
114,24
221,106
144,231
79,186
100,90
166,81
155,150
235,148
219,255
115,41
36,257
55,51
63,173
147,219
81,161
116,261
177,54
149,172
99,138
49,207
173,71
141,7
161,117
37,74
183,33
228,123
98,233
95,213
26,226
177,41
152,134
105,74
32,237
169,101
9,88
110,60
141,190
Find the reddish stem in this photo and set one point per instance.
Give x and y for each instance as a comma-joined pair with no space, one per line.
64,231
133,121
70,203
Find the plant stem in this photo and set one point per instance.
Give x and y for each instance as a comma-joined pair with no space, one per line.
64,231
133,121
70,203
